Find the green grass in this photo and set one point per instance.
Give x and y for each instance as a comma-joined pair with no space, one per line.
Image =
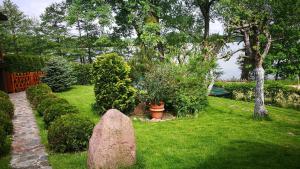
223,136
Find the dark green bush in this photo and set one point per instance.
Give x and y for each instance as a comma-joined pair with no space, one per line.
37,90
2,141
112,84
70,133
24,63
7,107
56,110
6,123
3,95
44,104
59,74
40,97
83,73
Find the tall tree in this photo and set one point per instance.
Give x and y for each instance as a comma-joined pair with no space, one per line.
253,18
12,30
55,28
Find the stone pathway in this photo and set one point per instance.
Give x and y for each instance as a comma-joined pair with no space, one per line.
27,150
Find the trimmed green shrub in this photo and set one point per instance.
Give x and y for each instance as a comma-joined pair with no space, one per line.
6,123
40,89
59,75
7,107
44,104
56,110
70,133
3,95
83,73
24,63
112,84
40,97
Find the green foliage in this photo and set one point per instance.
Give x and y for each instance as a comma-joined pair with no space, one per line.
83,73
7,107
24,63
70,133
56,110
3,95
6,123
181,87
47,102
112,84
159,84
37,91
59,75
2,140
275,93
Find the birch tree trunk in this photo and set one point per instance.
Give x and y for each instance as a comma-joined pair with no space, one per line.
212,82
259,109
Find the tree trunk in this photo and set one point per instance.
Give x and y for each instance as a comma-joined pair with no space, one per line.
259,109
212,81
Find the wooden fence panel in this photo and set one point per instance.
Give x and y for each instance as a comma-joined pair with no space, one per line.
16,82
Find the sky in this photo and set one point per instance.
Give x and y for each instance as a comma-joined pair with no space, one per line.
34,8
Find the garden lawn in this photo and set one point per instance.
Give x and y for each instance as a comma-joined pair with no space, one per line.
223,136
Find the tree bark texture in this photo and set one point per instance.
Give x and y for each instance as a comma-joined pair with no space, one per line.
259,109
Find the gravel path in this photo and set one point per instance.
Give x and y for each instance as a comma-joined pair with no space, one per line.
27,150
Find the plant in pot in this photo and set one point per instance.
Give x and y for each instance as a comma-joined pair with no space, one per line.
156,89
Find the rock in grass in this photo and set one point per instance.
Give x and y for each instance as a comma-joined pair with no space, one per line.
112,144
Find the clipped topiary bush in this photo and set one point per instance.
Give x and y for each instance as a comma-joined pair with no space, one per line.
6,123
59,74
70,133
3,95
83,73
40,97
7,107
112,84
41,108
40,89
56,110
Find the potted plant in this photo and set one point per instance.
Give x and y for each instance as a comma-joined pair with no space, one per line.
156,89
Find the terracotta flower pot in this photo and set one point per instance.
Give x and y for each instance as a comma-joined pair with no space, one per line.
157,110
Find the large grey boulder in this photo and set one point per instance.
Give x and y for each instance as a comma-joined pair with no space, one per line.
112,144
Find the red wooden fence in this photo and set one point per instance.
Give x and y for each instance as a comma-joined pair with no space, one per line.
16,82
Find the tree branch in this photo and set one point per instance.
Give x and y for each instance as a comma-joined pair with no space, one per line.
268,45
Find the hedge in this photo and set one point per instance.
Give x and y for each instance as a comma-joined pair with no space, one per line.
275,93
24,63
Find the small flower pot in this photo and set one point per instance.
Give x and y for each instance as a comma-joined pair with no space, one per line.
157,110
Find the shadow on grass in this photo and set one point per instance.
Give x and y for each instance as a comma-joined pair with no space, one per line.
242,154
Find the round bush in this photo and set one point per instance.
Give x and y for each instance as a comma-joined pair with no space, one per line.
40,97
112,84
3,95
59,74
70,133
57,110
44,104
6,123
7,107
36,90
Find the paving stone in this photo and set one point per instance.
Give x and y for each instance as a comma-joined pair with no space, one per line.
27,150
